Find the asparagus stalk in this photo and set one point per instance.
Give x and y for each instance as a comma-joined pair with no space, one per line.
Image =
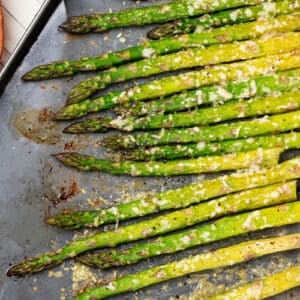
148,15
287,141
218,230
155,226
266,287
222,257
234,161
216,94
192,57
231,16
182,197
234,110
174,84
229,131
152,48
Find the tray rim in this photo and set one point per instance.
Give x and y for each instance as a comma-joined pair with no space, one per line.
28,39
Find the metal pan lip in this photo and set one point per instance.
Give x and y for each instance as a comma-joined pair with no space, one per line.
27,40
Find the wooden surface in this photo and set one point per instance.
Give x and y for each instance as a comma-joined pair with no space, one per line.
18,15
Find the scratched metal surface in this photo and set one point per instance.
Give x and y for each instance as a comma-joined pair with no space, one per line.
31,180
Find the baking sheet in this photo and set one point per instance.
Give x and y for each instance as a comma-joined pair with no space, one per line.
34,185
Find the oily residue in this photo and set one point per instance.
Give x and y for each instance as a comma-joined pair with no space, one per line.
69,37
37,125
54,87
69,146
67,192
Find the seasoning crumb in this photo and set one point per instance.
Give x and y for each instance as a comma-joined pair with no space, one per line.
63,295
57,274
82,278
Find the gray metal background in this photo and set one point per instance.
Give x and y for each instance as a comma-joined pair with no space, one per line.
30,179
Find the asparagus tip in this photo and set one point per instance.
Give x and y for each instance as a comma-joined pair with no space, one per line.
88,261
62,115
62,221
59,155
69,101
72,159
79,24
161,31
27,76
111,142
38,73
73,128
65,158
69,129
13,271
98,125
75,97
69,26
50,221
83,260
152,35
21,269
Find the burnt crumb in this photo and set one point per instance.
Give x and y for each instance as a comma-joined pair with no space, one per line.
66,193
68,210
69,146
46,114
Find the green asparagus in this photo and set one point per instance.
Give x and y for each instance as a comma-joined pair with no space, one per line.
231,16
233,110
159,225
207,164
179,198
189,58
152,48
229,131
222,257
218,230
264,288
287,141
190,80
216,94
148,15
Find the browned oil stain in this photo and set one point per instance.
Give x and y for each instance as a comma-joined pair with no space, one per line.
69,146
78,143
52,87
68,192
72,37
37,125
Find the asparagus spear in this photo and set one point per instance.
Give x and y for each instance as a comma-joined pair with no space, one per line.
182,197
222,257
216,95
234,161
231,16
148,15
287,141
229,131
155,226
234,110
264,288
168,45
174,84
192,57
218,230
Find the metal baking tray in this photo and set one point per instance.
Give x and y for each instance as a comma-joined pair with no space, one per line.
34,185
